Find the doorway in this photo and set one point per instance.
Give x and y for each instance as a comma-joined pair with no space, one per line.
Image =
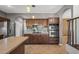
73,35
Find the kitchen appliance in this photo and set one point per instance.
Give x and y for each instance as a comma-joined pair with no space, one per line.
53,30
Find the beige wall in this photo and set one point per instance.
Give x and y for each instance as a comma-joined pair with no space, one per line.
64,13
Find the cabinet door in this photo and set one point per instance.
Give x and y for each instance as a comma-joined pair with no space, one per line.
40,22
1,37
29,39
44,39
28,22
34,39
54,20
38,39
45,22
53,40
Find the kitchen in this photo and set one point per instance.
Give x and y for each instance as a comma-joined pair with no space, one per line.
38,27
39,31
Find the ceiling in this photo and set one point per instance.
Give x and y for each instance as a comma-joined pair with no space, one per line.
36,9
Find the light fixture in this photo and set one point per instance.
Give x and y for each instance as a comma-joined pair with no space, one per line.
28,9
33,17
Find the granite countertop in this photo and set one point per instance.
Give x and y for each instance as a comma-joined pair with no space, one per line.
9,44
35,33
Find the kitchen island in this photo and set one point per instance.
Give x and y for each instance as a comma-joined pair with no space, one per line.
41,38
1,36
14,45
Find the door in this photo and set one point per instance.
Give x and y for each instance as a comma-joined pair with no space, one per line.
19,27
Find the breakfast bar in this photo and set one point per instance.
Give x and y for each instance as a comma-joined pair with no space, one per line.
12,45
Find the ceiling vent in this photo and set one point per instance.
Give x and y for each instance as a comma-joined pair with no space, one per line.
33,6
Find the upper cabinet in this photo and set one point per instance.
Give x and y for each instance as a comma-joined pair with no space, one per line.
3,19
4,27
53,20
30,22
43,22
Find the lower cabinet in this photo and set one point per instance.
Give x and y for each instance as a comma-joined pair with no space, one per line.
41,39
1,36
19,50
54,40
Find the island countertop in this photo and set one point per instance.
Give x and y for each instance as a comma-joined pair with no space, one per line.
9,44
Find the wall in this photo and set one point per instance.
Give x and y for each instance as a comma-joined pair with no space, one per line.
76,14
65,12
70,11
64,9
65,15
76,11
13,17
2,13
29,15
3,26
18,26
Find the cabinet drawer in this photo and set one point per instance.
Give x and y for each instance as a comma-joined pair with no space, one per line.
53,40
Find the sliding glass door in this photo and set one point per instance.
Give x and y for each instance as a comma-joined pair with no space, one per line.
73,33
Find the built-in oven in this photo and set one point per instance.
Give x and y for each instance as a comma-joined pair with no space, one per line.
53,30
53,34
53,27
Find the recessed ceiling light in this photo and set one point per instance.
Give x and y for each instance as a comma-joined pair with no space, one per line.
33,17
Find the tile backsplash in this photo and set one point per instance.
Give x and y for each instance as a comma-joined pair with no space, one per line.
36,29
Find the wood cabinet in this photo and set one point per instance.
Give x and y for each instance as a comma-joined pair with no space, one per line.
37,38
53,29
19,50
2,20
29,39
43,22
1,36
53,20
53,40
30,22
41,39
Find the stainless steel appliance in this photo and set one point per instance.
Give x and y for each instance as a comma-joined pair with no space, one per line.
53,30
